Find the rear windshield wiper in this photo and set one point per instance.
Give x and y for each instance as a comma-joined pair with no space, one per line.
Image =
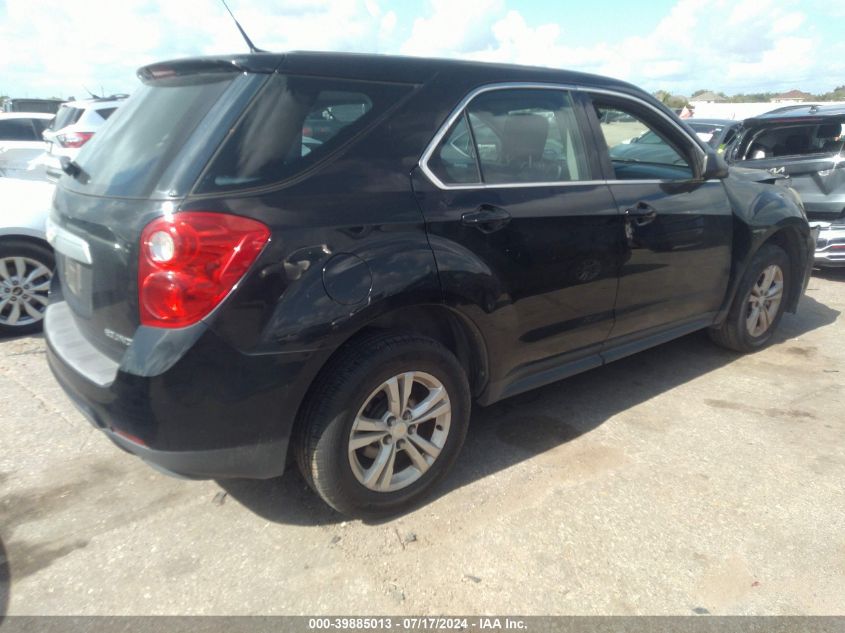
72,169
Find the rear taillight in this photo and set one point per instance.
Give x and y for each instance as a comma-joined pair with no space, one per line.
74,140
190,261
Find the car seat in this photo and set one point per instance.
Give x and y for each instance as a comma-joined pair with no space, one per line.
796,144
757,151
831,132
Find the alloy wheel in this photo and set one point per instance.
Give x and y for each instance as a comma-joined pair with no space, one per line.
24,286
400,431
764,300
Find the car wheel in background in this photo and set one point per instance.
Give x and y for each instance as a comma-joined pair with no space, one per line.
26,269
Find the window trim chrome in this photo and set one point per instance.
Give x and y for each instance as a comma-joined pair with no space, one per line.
461,107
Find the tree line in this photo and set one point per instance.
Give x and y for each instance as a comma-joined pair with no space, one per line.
678,101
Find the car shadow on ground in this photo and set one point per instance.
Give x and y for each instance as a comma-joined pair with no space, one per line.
12,337
834,274
527,425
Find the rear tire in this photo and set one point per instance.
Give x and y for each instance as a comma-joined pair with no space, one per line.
26,269
410,397
759,303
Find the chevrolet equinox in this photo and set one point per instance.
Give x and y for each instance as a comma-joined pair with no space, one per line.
327,258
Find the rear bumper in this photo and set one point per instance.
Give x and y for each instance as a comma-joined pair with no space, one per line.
213,413
260,461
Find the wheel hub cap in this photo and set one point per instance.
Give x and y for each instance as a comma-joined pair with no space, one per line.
764,300
400,431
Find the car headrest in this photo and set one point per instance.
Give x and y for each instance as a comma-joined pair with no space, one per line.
829,130
796,143
524,136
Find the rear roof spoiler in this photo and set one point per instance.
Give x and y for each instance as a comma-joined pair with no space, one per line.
254,63
809,119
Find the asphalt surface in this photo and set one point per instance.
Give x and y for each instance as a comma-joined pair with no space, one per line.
683,480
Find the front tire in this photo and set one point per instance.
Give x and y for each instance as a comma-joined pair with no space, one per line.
759,304
26,269
383,423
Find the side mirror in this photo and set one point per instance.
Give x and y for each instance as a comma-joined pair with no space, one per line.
714,166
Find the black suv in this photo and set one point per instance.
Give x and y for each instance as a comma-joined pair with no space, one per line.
804,143
231,295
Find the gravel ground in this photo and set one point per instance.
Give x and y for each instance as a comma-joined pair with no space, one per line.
683,480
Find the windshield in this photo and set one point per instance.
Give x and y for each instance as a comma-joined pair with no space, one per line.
707,132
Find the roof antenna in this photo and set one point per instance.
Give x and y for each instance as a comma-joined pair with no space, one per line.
252,47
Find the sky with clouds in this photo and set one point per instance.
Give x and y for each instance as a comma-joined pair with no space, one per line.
62,47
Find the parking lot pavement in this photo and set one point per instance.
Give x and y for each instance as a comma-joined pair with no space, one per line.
683,479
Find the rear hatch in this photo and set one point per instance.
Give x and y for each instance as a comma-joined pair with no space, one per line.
139,166
202,130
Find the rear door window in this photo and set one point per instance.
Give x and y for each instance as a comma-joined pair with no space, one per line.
527,136
513,137
294,123
454,161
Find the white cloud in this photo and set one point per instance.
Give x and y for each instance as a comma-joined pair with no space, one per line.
56,47
731,45
453,28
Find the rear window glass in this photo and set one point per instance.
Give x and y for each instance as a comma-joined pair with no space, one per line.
793,140
293,124
67,115
106,112
41,125
17,130
139,143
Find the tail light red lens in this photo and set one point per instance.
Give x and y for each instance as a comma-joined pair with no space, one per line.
190,261
74,140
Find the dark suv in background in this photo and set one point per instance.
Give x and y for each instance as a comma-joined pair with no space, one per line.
804,143
328,257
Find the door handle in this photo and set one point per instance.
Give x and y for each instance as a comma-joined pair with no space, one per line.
641,213
486,218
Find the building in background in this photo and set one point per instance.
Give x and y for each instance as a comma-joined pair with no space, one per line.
793,96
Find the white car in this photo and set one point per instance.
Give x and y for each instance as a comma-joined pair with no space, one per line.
75,123
21,141
26,259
